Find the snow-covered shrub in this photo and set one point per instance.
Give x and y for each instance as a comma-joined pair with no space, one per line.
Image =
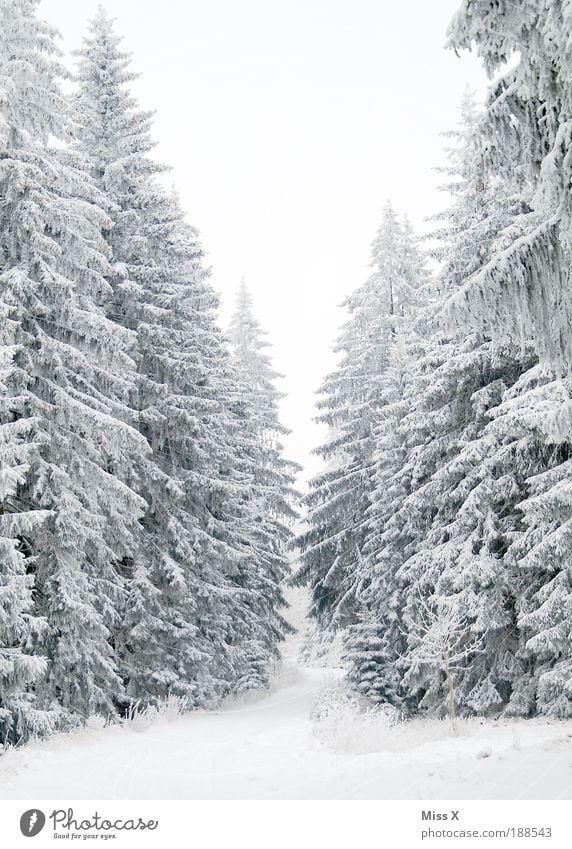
139,716
344,721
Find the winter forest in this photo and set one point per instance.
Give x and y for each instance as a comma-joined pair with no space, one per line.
152,525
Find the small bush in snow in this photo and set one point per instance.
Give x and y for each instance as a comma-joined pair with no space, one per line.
346,722
139,717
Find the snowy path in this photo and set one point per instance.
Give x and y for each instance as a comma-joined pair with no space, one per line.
250,750
274,748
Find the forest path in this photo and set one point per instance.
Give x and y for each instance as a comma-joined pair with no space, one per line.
253,748
303,738
300,740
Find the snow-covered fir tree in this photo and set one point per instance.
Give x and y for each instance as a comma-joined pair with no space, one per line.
204,593
474,454
357,397
524,292
275,474
376,640
257,376
68,519
462,480
451,523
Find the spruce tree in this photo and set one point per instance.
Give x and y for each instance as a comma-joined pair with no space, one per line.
199,624
456,512
375,640
356,397
524,292
274,474
445,508
70,374
257,376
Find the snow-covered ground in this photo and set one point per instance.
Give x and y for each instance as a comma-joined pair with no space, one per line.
303,740
307,738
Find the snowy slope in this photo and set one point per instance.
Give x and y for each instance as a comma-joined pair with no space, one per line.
302,740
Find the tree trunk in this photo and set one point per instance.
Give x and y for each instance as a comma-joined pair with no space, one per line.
451,689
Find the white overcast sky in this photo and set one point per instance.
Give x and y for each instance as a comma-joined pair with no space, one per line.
288,124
